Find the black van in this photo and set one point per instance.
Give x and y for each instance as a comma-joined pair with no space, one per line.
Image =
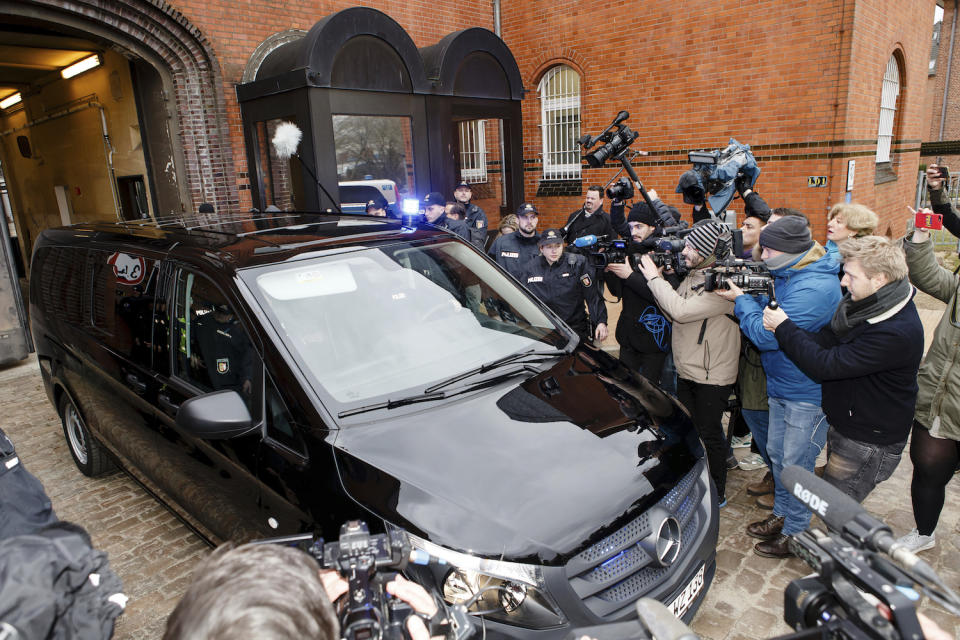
268,375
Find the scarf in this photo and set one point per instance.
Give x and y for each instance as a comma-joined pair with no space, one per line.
849,314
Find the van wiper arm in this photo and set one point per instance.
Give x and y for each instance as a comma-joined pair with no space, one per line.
493,364
393,404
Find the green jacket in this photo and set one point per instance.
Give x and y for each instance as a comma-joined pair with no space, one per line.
939,376
751,381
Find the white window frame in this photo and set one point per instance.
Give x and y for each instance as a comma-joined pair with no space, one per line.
473,150
888,109
559,152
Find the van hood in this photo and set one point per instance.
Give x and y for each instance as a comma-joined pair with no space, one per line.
529,472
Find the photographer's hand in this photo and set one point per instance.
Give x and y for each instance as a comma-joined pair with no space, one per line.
920,235
653,194
730,294
418,598
773,318
648,268
333,583
620,269
934,181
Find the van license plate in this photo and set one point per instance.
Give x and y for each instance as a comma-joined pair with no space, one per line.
683,601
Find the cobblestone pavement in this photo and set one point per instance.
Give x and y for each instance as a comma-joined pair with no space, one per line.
154,553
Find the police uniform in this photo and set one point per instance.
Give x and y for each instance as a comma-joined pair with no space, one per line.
513,251
476,220
226,351
565,285
458,227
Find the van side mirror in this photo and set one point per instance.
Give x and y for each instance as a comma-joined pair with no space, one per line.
215,416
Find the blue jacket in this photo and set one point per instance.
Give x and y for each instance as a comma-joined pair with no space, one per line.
833,250
809,292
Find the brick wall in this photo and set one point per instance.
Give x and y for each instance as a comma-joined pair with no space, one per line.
799,83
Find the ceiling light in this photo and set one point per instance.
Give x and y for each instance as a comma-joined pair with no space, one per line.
79,67
10,100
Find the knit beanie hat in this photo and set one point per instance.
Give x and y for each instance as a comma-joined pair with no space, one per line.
640,212
789,234
704,237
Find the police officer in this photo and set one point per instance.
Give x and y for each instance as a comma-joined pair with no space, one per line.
565,282
435,211
226,350
377,206
476,219
513,251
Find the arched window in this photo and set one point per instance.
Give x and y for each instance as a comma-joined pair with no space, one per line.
560,122
888,109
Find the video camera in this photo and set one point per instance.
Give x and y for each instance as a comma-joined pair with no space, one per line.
754,278
712,178
369,562
664,249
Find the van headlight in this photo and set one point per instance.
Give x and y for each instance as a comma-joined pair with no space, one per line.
504,591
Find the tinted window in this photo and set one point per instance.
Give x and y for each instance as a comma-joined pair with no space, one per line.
122,293
280,425
59,283
213,350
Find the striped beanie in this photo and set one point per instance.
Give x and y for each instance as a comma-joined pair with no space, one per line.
703,237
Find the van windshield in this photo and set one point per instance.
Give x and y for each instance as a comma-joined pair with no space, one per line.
378,322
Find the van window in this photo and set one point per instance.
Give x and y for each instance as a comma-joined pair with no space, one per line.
60,281
122,295
213,350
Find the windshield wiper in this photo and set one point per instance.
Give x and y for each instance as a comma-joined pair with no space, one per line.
493,364
393,404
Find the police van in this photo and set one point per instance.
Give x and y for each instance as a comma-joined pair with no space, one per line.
266,375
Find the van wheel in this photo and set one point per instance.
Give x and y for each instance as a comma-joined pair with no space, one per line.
88,454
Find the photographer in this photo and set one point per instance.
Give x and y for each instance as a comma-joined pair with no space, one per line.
706,343
867,360
590,219
564,283
642,331
940,199
807,287
935,440
273,592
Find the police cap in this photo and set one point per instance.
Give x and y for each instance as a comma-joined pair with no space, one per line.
526,209
550,236
434,197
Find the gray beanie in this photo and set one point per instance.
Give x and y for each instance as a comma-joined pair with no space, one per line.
703,237
789,234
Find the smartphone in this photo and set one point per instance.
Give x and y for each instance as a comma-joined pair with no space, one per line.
943,170
926,220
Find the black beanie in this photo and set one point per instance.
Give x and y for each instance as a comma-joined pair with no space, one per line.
640,212
704,237
789,234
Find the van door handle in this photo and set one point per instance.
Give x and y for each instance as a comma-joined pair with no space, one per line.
138,387
168,406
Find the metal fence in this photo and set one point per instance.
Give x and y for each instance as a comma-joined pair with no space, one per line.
943,240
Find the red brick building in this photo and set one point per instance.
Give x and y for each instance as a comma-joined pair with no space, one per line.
802,84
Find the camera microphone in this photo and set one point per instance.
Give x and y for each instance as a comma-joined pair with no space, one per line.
843,513
585,241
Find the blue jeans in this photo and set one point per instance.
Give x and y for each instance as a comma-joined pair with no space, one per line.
759,423
796,435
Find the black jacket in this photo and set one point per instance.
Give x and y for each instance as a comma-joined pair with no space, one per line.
579,225
564,286
638,301
514,250
458,227
868,377
476,222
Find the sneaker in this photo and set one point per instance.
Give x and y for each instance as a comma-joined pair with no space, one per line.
722,502
741,442
732,462
751,462
915,542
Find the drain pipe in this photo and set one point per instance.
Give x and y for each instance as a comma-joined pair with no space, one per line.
946,86
496,18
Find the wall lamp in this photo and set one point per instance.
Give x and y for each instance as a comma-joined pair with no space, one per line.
10,100
90,62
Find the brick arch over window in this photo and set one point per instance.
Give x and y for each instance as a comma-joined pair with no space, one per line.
161,35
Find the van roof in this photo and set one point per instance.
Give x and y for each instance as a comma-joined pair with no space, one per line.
247,239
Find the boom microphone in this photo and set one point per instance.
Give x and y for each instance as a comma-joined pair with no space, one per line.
844,514
585,241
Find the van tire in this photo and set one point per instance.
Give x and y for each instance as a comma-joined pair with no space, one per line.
88,454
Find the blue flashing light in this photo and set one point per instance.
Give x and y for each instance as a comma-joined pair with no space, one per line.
411,206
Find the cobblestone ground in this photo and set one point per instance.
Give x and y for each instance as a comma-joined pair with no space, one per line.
154,554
